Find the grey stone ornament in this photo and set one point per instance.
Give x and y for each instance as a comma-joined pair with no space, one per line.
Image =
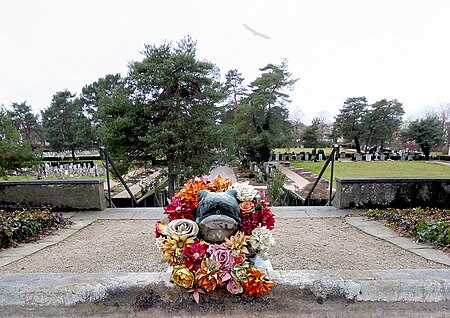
218,215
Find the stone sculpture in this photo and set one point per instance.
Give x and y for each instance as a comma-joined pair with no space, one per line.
218,215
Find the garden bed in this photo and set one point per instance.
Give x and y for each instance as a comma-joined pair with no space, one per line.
28,225
423,225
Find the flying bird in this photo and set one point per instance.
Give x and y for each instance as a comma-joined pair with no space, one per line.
256,33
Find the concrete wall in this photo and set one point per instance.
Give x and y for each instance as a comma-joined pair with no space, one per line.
392,193
61,195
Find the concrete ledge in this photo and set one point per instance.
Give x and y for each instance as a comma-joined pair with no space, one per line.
291,286
62,195
392,192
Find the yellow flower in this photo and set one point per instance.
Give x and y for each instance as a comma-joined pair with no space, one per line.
182,276
172,246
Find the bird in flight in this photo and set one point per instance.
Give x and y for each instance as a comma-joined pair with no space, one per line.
256,33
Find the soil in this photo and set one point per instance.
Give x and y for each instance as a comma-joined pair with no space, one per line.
301,244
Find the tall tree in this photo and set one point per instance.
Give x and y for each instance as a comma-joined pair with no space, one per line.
65,125
349,123
310,135
172,111
26,122
235,92
15,152
262,120
426,132
92,95
382,122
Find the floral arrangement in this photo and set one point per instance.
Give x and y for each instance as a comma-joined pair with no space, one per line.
203,267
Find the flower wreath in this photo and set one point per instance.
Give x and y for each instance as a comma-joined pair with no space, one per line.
201,266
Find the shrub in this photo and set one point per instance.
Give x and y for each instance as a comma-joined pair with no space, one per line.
424,225
28,225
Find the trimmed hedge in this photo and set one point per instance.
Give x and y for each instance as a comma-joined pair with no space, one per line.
28,225
424,225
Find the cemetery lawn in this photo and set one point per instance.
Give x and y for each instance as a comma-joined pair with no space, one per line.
378,169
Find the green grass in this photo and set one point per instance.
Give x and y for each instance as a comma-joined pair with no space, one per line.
378,169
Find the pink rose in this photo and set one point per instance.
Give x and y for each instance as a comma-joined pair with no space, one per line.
221,255
234,287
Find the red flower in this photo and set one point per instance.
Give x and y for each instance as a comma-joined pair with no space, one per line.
248,224
179,209
193,255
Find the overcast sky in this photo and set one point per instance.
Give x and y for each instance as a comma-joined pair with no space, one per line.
394,49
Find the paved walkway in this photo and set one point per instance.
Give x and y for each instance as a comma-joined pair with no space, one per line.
297,183
83,219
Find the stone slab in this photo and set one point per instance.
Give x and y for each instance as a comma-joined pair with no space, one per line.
70,289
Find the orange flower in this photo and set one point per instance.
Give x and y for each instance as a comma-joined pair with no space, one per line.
208,276
237,243
247,207
191,190
221,184
257,284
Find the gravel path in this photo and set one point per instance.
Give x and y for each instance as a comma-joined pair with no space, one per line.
303,244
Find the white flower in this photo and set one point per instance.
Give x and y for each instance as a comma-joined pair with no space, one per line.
245,191
182,227
261,240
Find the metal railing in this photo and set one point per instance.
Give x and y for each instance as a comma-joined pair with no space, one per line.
109,161
331,159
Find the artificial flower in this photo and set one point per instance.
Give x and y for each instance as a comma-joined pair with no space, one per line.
240,272
196,291
179,208
182,227
248,223
221,184
239,258
261,240
193,254
172,246
263,215
205,179
245,191
182,276
191,190
207,276
222,256
246,207
237,243
159,228
234,287
257,284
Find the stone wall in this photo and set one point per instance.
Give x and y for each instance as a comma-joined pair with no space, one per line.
59,195
392,193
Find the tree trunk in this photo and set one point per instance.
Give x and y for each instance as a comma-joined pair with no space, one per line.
171,175
426,151
358,146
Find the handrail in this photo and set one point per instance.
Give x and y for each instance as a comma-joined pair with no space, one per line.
108,161
330,158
